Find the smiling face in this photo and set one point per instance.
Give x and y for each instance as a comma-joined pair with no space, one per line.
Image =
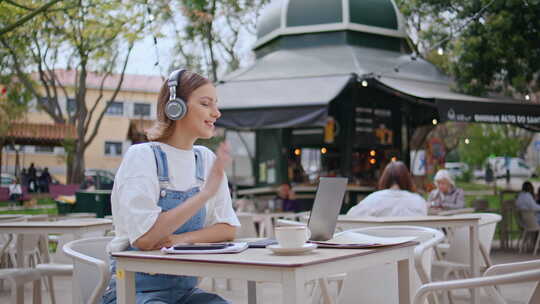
202,113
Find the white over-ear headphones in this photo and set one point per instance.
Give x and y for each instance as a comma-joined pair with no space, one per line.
175,108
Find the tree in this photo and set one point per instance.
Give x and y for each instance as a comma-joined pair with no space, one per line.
13,104
20,19
94,36
489,44
491,139
220,29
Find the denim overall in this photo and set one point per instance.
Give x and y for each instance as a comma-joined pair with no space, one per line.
163,288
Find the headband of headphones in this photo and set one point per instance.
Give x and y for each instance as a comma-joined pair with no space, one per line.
174,81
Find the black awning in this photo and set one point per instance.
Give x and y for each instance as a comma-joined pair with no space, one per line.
453,106
523,114
278,103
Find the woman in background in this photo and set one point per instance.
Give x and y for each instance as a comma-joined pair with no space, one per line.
446,195
396,196
525,200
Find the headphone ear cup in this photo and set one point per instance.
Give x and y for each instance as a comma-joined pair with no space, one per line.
175,109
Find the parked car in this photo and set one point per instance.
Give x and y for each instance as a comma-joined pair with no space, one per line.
102,179
6,179
517,166
456,169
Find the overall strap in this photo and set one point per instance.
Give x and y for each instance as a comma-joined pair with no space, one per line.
161,164
199,164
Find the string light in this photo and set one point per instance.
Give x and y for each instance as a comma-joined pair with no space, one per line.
372,153
297,152
434,121
467,141
440,51
323,150
364,83
372,161
527,97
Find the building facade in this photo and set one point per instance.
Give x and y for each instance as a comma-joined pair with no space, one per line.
133,110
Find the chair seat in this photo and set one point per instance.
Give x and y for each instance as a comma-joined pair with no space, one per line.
20,275
55,269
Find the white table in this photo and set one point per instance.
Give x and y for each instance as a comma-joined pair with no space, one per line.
76,227
260,265
438,222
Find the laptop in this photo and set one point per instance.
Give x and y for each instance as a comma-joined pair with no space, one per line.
324,213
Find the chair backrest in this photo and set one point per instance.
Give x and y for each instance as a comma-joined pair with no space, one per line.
480,204
500,274
459,239
91,267
528,220
365,284
247,230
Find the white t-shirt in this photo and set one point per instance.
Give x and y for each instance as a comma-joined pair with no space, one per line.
390,202
15,189
136,191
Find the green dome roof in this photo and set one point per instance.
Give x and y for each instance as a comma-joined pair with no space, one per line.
292,17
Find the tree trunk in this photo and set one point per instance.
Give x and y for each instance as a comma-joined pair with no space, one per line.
76,170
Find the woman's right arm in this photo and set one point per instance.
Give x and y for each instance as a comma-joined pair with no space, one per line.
167,222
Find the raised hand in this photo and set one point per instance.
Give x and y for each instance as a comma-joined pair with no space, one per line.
223,158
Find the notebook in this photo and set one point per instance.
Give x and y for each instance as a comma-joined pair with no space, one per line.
324,214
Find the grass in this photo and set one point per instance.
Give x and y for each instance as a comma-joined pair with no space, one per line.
32,211
40,201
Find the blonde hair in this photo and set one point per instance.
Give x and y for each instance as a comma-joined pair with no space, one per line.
164,127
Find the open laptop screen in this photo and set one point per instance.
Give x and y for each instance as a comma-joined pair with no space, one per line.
326,207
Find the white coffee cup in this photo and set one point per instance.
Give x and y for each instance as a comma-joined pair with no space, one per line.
292,236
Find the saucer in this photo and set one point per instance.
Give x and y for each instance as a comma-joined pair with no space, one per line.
276,249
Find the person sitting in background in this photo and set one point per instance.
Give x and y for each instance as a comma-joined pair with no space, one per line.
446,195
525,200
396,196
15,192
538,196
88,184
286,198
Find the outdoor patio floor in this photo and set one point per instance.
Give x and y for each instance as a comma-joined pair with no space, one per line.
272,292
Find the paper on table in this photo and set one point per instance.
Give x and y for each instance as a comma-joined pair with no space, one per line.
360,240
235,248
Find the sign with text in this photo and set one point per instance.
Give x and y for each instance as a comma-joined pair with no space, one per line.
373,126
489,112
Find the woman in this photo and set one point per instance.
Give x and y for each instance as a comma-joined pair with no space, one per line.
446,195
525,200
396,196
169,191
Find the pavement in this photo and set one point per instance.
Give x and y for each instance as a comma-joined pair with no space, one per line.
271,292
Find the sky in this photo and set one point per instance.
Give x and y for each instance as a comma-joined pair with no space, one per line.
143,58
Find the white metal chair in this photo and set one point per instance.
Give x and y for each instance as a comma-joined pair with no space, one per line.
530,226
17,277
457,259
247,230
91,267
366,284
501,274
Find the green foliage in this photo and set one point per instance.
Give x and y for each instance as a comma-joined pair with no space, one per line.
489,44
211,40
211,143
486,139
